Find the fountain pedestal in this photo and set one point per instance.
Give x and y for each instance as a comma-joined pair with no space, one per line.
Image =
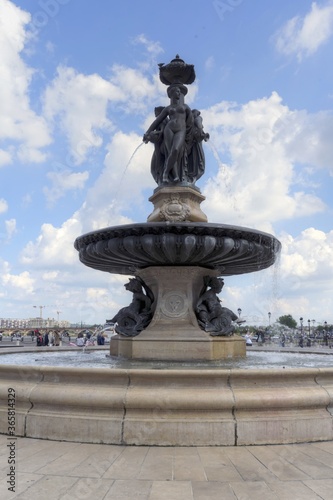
173,333
182,204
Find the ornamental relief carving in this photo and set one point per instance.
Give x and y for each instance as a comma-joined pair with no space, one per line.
173,209
174,304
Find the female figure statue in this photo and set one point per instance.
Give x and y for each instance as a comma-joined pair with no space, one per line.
178,126
195,154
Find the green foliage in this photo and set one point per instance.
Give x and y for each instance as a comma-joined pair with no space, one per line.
287,320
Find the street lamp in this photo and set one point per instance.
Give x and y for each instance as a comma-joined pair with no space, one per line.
301,320
239,311
58,312
309,322
326,334
269,318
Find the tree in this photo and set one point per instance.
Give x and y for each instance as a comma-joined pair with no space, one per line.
287,320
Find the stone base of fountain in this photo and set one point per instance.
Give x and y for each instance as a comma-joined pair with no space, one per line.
168,407
173,333
164,345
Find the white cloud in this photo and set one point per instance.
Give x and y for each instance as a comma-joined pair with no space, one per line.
3,206
19,284
310,255
19,124
209,63
62,182
153,48
54,246
303,36
10,228
82,104
5,157
305,274
258,181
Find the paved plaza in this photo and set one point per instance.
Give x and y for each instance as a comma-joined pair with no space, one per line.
49,470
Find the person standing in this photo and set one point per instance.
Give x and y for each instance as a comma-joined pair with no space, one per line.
56,338
46,339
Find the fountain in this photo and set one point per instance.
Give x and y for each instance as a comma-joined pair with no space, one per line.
178,262
177,257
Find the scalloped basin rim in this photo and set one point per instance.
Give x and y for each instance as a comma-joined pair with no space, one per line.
126,249
180,227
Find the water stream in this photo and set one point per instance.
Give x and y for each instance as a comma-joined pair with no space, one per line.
225,176
118,191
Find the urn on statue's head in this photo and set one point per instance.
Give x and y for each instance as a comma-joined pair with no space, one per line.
177,71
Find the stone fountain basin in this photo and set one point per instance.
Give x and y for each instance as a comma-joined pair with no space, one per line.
228,249
169,407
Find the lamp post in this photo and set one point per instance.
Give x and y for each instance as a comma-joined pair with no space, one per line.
301,339
325,334
239,315
309,325
58,312
269,319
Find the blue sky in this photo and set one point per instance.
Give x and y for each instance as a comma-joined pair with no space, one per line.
78,88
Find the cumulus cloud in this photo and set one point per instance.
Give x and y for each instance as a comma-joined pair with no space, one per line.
305,274
3,206
258,178
20,125
20,284
152,47
54,246
303,36
62,182
10,228
5,157
81,104
308,255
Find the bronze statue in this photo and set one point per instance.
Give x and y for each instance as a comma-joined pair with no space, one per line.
131,320
177,131
212,317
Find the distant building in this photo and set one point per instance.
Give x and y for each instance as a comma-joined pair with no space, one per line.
14,323
32,323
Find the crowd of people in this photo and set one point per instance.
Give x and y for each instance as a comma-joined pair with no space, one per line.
54,338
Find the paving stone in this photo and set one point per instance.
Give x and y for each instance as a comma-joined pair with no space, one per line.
253,490
322,487
172,490
212,491
129,490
